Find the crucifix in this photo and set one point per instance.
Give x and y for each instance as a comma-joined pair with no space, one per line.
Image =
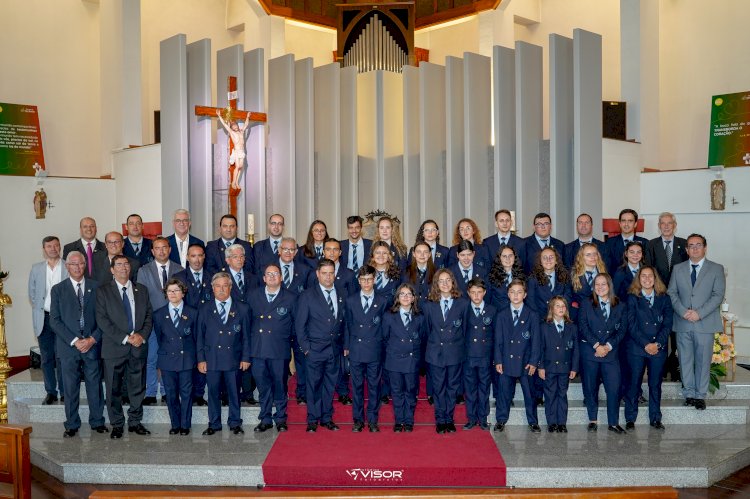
229,117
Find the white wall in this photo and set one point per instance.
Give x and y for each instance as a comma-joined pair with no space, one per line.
22,233
621,172
137,172
452,39
310,41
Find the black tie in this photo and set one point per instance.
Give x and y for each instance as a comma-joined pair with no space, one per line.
80,304
163,276
422,274
319,251
128,309
693,274
502,240
197,277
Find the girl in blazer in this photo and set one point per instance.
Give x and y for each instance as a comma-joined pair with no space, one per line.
312,250
429,233
421,269
467,230
587,265
389,233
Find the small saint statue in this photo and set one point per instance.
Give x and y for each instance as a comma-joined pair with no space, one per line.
40,203
237,136
718,195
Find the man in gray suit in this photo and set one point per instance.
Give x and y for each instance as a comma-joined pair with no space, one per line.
154,275
696,289
43,276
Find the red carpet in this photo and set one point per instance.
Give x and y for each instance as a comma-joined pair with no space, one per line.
362,460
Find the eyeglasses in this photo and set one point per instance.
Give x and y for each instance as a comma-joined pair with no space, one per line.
445,281
272,274
430,230
542,224
182,220
695,246
548,258
71,264
113,243
178,290
276,223
406,293
288,250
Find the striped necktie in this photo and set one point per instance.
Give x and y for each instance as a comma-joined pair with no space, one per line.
176,318
330,302
668,250
515,317
355,263
604,310
366,306
287,276
223,312
79,293
445,309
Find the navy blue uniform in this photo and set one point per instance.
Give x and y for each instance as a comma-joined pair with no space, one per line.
476,271
614,249
478,368
572,248
481,257
516,346
580,296
493,244
558,358
445,354
439,257
402,350
176,360
263,254
363,339
594,329
647,324
174,249
299,277
532,248
363,251
215,260
622,280
144,255
199,292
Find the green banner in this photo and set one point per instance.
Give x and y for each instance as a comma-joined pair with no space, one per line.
20,140
729,144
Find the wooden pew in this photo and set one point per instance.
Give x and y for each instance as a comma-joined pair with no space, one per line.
15,461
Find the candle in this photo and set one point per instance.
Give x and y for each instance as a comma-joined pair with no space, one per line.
251,224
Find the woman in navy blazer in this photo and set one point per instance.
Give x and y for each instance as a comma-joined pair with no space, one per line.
650,322
587,265
175,329
389,233
316,236
467,230
403,333
430,233
631,262
602,325
388,275
421,269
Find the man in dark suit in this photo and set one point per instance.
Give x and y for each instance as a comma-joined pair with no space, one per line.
223,349
355,251
320,331
135,245
123,313
103,259
504,236
664,252
180,241
73,319
696,289
272,310
88,244
585,230
215,250
155,275
540,239
614,247
266,250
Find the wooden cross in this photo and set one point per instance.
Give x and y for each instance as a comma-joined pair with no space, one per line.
231,113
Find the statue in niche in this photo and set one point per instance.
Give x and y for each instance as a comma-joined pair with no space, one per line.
237,147
718,195
40,203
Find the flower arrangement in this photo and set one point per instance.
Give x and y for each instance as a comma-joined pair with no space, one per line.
723,352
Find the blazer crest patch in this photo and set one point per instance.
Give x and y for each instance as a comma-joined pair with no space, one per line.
376,320
237,328
282,311
457,322
186,331
526,334
487,320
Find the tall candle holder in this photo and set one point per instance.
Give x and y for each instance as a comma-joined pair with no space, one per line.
4,364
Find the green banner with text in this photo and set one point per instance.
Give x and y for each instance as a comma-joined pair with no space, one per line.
729,144
20,140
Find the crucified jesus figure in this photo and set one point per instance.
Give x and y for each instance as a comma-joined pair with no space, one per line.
237,136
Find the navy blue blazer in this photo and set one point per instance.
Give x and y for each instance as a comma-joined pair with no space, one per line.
300,277
477,271
345,282
614,248
517,346
403,345
558,352
621,280
422,286
582,295
480,332
215,260
440,260
571,251
481,257
174,251
539,295
65,313
145,255
389,290
198,292
593,329
363,248
177,350
263,255
363,333
319,334
492,244
647,324
532,248
497,296
250,282
223,346
271,324
446,344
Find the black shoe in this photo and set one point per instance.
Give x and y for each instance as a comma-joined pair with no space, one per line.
642,400
149,401
483,425
251,401
657,425
398,428
373,427
116,432
689,402
616,428
552,428
184,431
630,425
540,401
592,427
499,427
281,427
562,428
49,399
408,428
430,400
174,431
469,425
440,428
345,400
700,404
163,399
450,428
62,398
535,428
301,401
237,430
460,400
330,425
385,400
199,401
70,433
100,429
262,427
358,427
138,429
126,401
224,402
312,427
210,431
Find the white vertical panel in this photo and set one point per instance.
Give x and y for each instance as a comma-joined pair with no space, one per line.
561,136
391,125
454,141
349,177
327,126
587,122
504,120
255,175
280,161
412,201
528,132
432,145
477,134
304,155
368,142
